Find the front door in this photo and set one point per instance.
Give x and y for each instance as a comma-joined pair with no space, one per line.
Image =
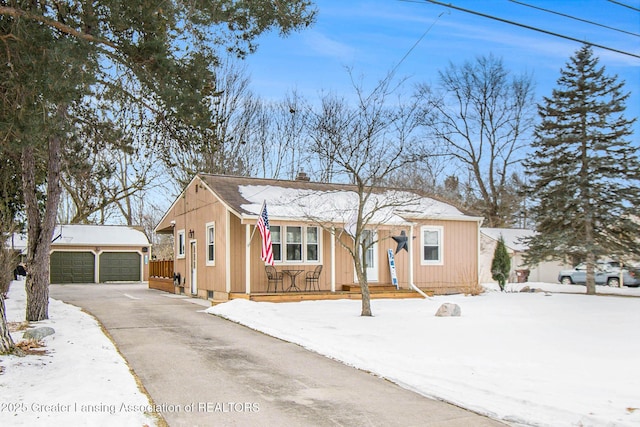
194,270
371,256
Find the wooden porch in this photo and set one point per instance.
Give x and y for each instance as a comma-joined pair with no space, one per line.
347,292
161,278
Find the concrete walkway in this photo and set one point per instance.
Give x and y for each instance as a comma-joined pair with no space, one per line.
205,371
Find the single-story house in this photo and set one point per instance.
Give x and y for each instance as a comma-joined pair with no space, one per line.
218,251
516,248
94,253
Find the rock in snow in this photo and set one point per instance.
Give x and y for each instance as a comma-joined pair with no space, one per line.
448,310
37,334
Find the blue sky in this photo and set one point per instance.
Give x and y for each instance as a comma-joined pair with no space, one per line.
372,36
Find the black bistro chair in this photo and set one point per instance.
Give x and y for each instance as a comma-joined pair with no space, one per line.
275,277
312,279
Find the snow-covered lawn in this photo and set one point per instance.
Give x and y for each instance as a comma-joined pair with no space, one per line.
81,379
540,359
527,358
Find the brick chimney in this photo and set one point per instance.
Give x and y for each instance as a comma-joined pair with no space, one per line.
302,177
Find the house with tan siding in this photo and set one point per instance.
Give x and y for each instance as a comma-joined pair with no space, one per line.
217,248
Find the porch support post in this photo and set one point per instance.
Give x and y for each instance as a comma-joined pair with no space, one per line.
333,259
247,259
411,245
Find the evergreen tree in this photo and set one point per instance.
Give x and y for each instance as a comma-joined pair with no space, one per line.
501,264
584,172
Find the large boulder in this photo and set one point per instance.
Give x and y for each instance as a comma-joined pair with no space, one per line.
38,334
449,309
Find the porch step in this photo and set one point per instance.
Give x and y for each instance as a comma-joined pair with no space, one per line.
372,288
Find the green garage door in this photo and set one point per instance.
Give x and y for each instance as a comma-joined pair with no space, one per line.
72,267
119,267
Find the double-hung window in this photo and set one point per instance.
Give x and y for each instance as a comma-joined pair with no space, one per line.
211,243
432,245
276,242
312,244
180,244
294,243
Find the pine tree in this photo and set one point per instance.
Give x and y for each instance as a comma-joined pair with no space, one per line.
501,264
584,173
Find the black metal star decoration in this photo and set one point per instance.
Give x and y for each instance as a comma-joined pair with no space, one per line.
402,241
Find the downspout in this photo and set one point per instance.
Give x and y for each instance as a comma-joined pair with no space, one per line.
411,284
227,251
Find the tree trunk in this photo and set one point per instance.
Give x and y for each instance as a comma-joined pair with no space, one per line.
6,342
364,287
366,298
40,228
591,276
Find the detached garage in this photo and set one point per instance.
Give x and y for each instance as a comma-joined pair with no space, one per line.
99,254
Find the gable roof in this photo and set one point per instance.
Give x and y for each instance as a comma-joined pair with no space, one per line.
512,236
302,200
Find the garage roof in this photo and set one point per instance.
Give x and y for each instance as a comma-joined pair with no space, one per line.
102,235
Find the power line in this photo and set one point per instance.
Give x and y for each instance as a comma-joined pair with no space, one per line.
540,30
625,5
574,18
416,43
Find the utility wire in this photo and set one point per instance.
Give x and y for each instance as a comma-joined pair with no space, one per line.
416,43
540,30
625,5
574,18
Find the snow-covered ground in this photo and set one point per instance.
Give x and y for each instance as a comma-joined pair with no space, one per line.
535,359
81,379
538,359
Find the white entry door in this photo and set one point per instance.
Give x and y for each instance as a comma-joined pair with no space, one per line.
194,269
371,256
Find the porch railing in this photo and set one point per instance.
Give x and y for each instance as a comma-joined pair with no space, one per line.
161,268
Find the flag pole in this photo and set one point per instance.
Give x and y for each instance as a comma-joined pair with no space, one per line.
255,227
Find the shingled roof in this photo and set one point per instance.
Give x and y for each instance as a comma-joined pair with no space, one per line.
227,188
302,199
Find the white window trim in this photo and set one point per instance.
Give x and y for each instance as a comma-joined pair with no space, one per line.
210,263
303,261
440,230
317,244
279,261
184,245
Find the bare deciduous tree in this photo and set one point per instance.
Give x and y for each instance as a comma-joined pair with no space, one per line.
483,115
365,143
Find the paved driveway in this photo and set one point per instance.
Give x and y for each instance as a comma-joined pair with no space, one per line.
206,371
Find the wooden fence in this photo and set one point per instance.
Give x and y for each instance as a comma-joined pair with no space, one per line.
163,268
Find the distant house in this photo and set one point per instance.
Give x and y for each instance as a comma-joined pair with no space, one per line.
513,239
99,254
217,249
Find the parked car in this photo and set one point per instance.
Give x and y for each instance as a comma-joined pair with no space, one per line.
607,273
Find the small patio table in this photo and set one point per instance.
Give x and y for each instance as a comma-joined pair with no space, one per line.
293,274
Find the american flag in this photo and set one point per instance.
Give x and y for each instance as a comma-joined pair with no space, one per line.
263,225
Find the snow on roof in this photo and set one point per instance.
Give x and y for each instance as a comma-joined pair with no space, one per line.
102,235
17,241
512,236
390,207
